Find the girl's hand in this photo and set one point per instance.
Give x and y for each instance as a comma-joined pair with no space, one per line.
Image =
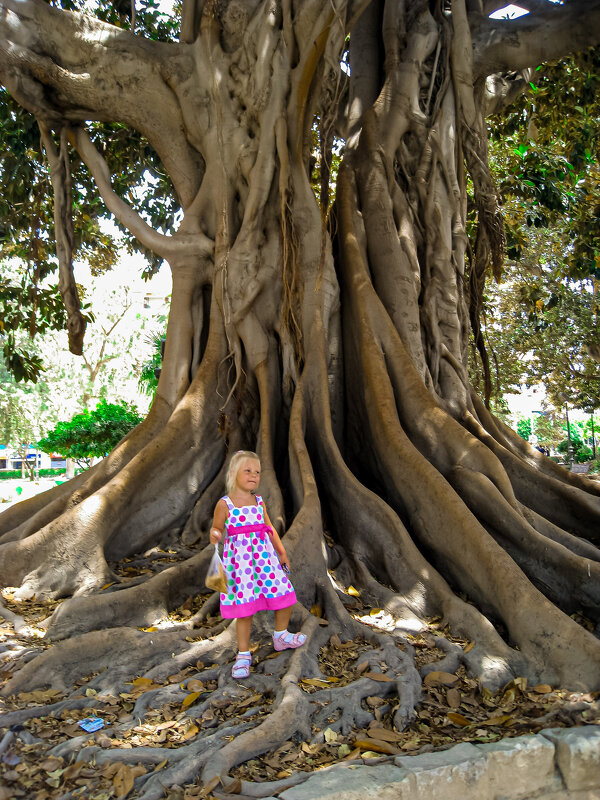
215,536
284,561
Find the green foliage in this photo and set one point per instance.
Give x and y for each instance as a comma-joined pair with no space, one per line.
92,433
542,323
581,450
548,429
26,309
524,428
584,453
546,156
20,416
149,374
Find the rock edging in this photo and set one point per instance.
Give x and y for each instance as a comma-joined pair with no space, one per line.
556,764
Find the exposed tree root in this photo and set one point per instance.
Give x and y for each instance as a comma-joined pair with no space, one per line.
566,505
137,606
118,648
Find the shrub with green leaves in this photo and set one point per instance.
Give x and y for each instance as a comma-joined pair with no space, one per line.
92,433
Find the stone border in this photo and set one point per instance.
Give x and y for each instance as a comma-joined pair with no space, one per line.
556,764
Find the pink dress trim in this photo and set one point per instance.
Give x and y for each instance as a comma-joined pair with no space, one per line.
260,604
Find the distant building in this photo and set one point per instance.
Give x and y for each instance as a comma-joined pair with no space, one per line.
11,460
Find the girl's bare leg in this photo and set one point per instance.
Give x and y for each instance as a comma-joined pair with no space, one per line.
243,626
282,617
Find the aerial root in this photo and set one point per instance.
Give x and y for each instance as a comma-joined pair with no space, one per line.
509,439
53,710
575,544
184,763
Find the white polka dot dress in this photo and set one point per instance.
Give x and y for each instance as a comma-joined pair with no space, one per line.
255,579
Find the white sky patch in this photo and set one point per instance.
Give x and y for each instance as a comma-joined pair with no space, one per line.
509,12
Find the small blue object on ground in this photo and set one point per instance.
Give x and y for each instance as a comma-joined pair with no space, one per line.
91,724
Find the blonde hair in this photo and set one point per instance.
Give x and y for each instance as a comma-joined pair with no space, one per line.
234,465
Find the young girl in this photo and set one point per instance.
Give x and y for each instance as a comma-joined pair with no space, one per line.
257,578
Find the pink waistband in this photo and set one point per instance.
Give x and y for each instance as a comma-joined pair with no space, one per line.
244,530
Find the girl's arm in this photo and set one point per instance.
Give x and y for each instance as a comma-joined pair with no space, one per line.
277,544
218,523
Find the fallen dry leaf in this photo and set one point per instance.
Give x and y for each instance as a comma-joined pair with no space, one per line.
235,787
123,781
190,699
458,719
377,676
321,682
142,682
39,696
501,720
73,770
212,784
330,736
377,746
453,698
437,678
375,701
384,734
51,763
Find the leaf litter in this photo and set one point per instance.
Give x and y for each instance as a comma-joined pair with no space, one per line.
454,708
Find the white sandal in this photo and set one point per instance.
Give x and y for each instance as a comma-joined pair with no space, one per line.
241,668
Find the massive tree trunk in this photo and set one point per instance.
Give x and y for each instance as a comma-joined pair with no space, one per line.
331,340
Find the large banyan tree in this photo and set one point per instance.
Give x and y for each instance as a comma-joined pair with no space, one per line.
327,330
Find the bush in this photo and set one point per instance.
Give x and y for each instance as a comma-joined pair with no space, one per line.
583,453
9,474
524,428
92,433
563,447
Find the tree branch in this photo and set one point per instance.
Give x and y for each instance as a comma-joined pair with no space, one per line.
168,247
507,45
66,66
